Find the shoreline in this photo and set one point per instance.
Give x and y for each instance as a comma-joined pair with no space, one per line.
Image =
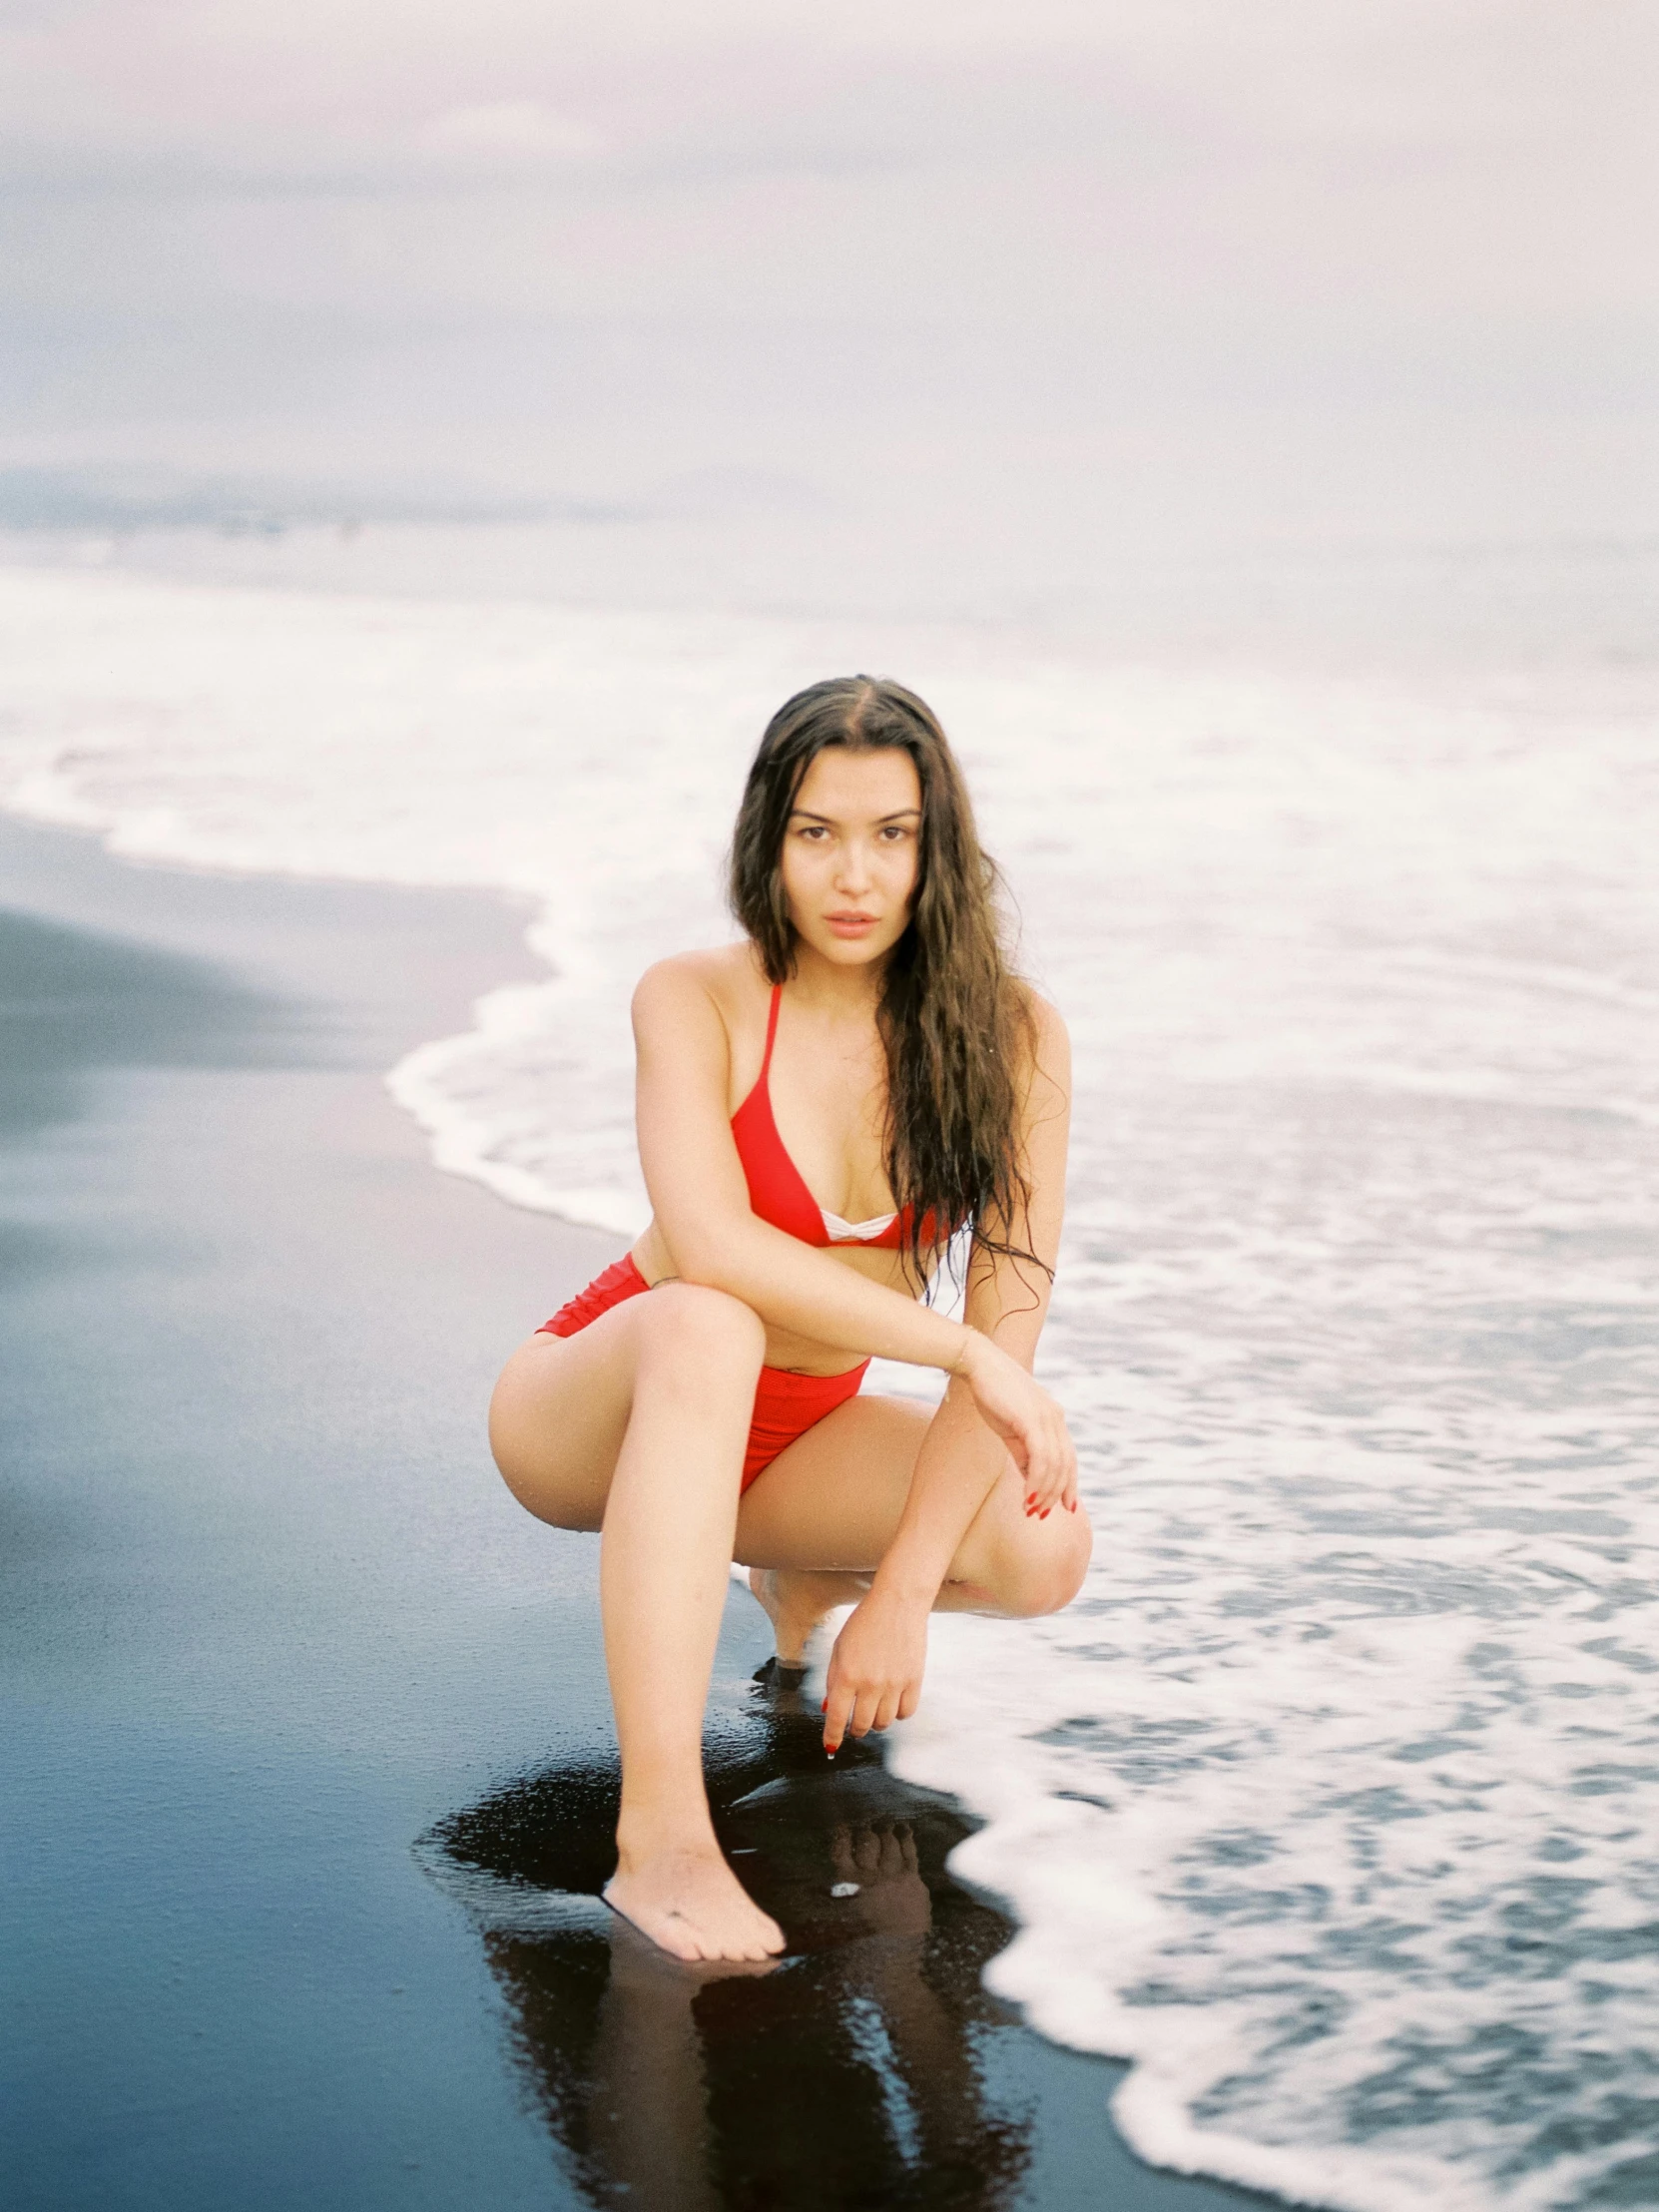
292,1679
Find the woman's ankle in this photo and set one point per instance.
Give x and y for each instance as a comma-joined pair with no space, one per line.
797,1599
646,1833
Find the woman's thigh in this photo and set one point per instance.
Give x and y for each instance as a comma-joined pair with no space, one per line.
836,1496
559,1414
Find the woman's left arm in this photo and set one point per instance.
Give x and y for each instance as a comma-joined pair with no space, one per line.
876,1667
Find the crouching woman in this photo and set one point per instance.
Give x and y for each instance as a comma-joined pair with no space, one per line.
822,1107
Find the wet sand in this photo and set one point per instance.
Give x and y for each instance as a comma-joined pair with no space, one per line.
307,1755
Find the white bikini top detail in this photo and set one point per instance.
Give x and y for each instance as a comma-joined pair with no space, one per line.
854,1232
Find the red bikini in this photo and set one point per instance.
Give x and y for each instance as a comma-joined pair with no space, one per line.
777,1189
785,1404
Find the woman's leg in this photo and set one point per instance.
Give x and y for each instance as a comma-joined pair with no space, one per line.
817,1524
637,1424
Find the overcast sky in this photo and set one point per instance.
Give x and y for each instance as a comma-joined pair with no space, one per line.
582,249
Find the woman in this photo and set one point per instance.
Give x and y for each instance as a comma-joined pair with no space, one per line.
866,1045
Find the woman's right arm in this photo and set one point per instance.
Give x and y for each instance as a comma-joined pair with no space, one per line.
701,1201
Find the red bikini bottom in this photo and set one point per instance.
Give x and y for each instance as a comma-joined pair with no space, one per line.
785,1404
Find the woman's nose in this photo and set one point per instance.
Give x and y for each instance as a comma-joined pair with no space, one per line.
852,871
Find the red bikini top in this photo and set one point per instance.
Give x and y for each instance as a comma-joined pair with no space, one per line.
777,1189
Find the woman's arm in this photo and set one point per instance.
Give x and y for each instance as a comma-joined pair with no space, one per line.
875,1669
701,1202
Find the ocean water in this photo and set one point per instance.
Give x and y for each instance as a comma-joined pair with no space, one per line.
1334,1800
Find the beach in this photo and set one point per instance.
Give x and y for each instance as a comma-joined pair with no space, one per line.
1326,1803
433,445
308,1759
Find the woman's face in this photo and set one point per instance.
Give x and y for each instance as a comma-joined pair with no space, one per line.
852,853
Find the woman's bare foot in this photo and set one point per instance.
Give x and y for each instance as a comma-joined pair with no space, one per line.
796,1602
691,1904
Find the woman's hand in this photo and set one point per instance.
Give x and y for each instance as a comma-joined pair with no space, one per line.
875,1668
1017,1407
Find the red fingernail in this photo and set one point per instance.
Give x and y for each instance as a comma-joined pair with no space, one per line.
824,1707
1043,1515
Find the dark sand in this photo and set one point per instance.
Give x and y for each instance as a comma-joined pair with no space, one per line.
308,1765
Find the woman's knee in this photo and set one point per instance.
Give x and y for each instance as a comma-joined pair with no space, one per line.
1043,1569
692,1331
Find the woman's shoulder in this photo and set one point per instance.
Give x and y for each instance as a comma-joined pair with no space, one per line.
1048,1041
721,979
1047,1023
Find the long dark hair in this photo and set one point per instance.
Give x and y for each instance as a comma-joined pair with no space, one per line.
952,1018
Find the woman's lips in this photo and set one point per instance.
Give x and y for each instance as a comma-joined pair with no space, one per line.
851,925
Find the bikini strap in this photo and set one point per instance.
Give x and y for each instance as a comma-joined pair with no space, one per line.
772,1030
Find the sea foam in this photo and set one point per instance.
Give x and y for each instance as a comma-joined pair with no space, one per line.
1331,1800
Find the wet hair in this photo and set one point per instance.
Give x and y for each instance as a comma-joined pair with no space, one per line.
954,1019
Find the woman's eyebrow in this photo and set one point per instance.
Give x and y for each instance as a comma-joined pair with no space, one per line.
899,814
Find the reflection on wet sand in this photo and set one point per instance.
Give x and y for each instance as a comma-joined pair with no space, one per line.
845,2073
